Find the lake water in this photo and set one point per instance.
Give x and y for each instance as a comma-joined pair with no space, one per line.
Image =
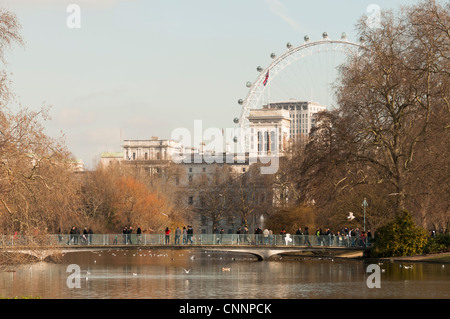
185,274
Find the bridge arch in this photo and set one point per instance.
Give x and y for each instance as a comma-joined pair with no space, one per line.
261,254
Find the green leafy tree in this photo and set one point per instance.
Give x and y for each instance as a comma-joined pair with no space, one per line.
400,237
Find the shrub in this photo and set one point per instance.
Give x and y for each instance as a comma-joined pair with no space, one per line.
437,244
400,237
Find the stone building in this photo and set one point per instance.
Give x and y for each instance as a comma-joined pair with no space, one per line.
271,128
269,132
153,149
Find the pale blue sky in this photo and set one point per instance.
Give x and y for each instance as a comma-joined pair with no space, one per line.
147,67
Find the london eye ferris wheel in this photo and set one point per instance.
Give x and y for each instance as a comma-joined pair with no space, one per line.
306,72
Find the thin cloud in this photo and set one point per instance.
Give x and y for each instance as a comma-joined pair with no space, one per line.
279,9
74,116
90,4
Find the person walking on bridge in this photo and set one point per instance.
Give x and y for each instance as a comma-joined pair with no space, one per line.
306,233
266,236
138,234
190,234
129,232
72,233
167,235
246,235
184,235
124,234
298,235
238,233
177,236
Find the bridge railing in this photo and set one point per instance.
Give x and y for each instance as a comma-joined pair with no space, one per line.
196,239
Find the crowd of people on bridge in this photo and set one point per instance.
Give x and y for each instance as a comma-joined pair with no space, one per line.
349,237
128,237
76,236
186,235
345,237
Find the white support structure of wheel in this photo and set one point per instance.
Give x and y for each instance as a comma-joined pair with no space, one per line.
260,94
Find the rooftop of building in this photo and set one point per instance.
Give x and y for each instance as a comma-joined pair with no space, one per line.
269,113
291,102
112,154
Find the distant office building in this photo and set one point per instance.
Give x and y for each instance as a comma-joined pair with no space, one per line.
302,115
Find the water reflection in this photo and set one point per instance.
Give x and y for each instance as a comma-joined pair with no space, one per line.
194,274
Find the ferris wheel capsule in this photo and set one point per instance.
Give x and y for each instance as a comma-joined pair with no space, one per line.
289,45
235,139
344,36
325,35
259,69
273,55
241,101
306,38
248,84
236,120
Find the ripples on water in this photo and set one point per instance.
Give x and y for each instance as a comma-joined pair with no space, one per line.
194,274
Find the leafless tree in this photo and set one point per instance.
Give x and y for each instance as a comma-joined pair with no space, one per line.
391,89
38,189
391,129
252,196
215,195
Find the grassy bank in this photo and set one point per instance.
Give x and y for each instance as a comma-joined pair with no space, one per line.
432,258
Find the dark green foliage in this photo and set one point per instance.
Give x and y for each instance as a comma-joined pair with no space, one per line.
437,244
400,237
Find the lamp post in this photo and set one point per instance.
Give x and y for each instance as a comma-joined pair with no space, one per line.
364,204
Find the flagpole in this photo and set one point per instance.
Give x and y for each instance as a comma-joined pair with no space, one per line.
268,88
264,95
268,103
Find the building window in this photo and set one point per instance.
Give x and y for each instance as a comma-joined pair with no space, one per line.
273,141
260,142
190,169
191,200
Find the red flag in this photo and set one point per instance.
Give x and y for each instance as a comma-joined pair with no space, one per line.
266,79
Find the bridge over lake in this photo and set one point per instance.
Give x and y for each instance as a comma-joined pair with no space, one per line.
259,246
